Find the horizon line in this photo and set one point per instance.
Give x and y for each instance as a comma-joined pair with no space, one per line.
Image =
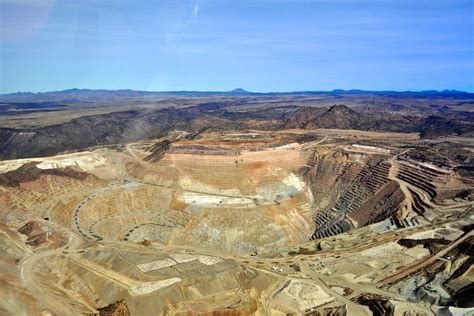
238,90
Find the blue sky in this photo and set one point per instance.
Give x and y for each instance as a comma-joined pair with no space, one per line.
279,45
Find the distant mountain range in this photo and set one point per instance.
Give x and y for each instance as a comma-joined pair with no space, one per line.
107,94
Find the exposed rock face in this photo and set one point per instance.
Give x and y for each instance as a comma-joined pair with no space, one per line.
350,190
383,204
379,305
464,298
158,150
29,172
31,228
35,232
118,308
433,244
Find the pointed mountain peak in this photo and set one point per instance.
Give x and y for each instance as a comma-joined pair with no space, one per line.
340,108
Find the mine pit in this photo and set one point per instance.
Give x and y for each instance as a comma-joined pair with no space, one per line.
178,222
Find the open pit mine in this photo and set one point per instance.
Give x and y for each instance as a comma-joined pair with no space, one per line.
323,222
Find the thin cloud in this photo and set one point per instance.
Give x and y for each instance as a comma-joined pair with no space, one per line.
196,10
